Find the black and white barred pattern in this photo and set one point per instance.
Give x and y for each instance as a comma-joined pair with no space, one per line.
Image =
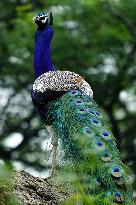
61,81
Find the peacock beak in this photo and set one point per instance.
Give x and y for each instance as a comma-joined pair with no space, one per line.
36,18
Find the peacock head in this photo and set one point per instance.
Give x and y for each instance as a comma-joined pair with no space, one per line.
41,19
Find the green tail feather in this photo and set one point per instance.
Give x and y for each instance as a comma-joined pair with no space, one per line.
87,140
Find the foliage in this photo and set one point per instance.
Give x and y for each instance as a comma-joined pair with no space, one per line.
95,38
6,196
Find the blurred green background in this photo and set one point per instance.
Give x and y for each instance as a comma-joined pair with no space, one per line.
95,38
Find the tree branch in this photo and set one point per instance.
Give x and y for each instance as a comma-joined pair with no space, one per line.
128,58
34,190
121,17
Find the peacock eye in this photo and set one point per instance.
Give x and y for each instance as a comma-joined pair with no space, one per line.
42,18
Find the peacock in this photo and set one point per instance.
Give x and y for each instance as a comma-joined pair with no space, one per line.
64,101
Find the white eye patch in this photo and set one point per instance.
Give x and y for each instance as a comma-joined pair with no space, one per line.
42,18
45,19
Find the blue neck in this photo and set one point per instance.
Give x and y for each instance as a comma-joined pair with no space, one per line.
42,52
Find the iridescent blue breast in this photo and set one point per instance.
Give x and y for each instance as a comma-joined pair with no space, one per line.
44,35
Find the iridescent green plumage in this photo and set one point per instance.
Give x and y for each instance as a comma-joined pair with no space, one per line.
86,138
87,141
